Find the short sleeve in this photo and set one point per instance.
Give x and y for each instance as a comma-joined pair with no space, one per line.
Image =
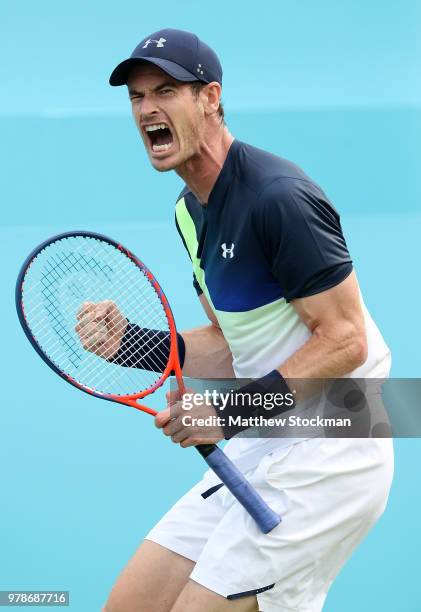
302,238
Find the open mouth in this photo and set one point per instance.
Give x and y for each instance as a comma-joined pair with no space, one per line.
160,137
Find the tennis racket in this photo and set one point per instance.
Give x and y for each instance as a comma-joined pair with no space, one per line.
134,349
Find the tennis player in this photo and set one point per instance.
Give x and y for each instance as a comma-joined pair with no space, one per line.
273,273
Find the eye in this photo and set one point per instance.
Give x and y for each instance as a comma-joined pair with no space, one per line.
166,91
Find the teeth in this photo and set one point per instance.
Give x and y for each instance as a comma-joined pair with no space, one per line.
157,126
163,147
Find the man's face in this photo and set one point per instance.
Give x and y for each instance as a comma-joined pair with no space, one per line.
168,115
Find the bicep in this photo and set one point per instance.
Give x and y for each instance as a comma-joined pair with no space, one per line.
334,308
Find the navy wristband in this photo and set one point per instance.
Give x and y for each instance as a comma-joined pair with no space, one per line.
272,383
147,349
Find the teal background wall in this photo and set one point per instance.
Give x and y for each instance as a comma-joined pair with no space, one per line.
333,86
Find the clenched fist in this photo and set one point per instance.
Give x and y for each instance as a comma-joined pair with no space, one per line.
101,327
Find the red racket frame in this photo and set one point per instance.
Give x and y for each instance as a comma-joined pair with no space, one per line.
173,364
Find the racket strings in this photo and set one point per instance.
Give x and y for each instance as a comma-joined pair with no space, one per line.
80,269
86,264
150,314
50,303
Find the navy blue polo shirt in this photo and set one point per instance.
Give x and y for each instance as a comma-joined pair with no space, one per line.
267,235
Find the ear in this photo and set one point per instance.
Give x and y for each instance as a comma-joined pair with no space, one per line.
211,97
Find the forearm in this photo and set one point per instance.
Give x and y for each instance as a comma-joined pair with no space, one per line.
207,354
327,354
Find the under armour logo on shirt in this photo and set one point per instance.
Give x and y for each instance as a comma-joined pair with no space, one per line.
159,43
227,251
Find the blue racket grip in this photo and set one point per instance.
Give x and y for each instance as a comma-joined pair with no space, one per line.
242,490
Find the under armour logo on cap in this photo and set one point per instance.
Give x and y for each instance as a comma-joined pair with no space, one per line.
227,251
159,43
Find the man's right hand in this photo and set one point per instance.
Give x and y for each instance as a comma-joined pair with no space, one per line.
101,328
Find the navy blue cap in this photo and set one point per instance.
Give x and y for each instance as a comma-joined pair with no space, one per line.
180,54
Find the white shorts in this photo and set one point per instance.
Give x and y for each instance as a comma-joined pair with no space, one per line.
329,492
